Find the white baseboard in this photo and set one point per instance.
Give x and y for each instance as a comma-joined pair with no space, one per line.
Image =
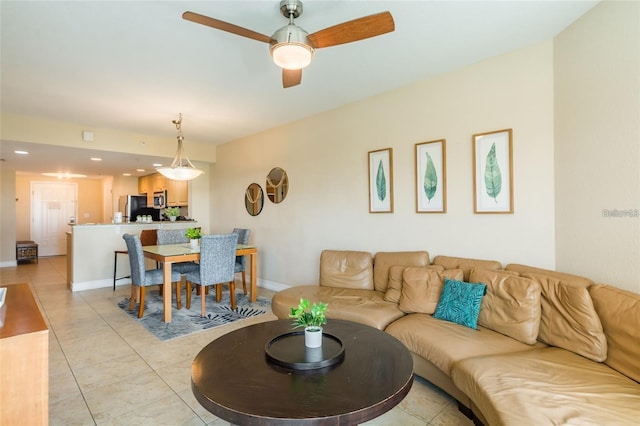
271,285
92,285
8,264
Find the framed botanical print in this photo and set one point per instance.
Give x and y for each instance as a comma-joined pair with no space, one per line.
431,179
381,181
493,172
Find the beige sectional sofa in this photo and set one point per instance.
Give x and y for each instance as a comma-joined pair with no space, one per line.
549,348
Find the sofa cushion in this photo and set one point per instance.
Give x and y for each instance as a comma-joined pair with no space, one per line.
619,312
362,306
569,278
511,305
568,319
548,386
383,261
346,269
394,287
460,302
421,287
465,264
444,343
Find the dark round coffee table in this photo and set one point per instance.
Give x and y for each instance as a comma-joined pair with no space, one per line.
232,378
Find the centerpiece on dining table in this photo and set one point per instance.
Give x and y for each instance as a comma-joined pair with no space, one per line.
194,235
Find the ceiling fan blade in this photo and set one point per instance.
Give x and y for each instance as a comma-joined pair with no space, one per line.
224,26
358,29
291,78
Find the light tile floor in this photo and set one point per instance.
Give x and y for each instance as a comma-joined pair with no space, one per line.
105,369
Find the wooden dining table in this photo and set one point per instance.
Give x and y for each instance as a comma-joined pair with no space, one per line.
172,253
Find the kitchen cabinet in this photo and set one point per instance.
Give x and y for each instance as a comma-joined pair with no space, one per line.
143,185
158,182
24,355
177,192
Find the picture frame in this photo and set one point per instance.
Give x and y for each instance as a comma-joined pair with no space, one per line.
493,172
431,176
381,181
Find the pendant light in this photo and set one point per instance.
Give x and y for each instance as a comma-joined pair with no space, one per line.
181,168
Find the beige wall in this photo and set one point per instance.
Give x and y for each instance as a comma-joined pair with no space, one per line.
7,218
325,157
597,101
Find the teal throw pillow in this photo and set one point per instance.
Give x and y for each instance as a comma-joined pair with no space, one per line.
460,302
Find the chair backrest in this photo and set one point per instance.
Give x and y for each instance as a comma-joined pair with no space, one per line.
172,236
243,235
149,237
136,258
217,258
243,238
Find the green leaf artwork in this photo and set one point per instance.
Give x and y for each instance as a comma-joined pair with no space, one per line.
430,179
381,183
492,175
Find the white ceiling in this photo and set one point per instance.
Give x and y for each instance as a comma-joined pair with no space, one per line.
134,65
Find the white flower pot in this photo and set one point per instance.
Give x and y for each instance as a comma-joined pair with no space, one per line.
194,243
173,218
313,337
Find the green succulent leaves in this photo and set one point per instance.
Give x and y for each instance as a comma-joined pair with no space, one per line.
492,175
430,179
381,182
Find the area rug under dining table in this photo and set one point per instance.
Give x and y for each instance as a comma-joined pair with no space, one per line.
187,321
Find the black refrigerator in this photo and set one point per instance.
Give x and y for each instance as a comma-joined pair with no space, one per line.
133,206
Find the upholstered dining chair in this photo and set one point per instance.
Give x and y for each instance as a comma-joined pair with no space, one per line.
241,261
176,236
148,237
140,276
217,260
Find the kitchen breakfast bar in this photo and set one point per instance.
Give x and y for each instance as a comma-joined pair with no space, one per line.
91,249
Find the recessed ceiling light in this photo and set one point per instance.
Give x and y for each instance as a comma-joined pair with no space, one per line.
95,159
140,170
66,175
126,174
21,152
157,165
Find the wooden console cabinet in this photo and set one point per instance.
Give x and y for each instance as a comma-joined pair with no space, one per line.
24,360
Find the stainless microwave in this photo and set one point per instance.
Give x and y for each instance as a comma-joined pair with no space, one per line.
160,200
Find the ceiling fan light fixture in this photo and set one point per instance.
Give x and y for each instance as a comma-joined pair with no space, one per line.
292,56
181,168
291,48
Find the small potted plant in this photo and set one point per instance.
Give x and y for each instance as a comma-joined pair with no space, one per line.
172,213
311,317
194,235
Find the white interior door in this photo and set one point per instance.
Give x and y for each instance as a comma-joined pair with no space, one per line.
52,204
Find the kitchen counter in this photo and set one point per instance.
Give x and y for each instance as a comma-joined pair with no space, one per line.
91,247
167,222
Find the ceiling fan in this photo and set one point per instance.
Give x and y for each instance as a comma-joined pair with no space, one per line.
291,47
